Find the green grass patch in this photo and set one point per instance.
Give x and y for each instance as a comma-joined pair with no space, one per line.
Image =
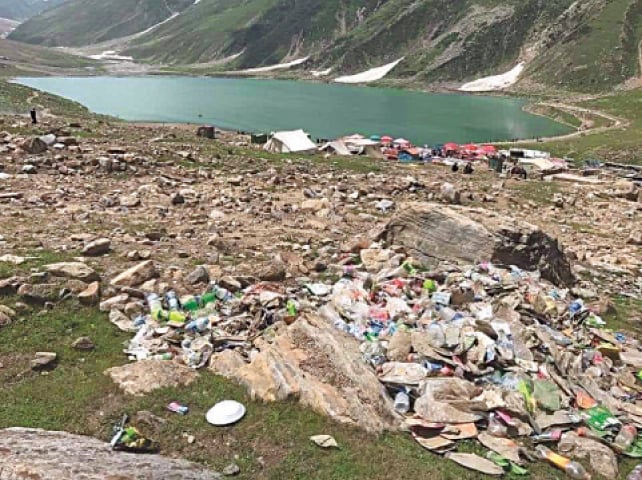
627,315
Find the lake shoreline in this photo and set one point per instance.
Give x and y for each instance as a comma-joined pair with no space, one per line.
414,121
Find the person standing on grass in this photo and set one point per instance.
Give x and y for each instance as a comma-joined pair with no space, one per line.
34,117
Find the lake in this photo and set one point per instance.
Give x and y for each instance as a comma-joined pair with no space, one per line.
323,110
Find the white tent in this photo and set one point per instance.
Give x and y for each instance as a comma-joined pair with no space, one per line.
290,142
337,147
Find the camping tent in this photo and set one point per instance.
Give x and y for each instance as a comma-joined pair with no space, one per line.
290,142
337,147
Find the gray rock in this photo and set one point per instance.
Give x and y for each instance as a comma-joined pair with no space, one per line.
83,343
76,270
199,275
34,146
399,346
30,169
39,454
145,376
272,272
43,361
231,470
434,233
230,283
136,275
99,246
178,199
342,386
90,295
40,293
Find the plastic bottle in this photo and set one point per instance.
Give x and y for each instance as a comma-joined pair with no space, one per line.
496,428
156,307
626,437
162,356
573,469
191,303
636,473
172,300
552,436
199,325
402,402
447,314
436,335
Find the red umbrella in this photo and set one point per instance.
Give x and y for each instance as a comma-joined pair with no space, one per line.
451,147
386,139
471,147
488,149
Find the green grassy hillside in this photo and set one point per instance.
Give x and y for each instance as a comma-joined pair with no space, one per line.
82,22
593,45
23,9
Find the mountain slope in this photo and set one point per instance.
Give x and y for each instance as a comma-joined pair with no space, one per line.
82,22
582,45
23,9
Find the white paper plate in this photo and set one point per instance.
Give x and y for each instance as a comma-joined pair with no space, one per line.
226,412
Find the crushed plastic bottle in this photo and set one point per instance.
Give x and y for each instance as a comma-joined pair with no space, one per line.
496,428
625,438
573,469
402,402
436,335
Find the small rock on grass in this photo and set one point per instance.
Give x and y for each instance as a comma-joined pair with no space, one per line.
43,361
99,246
231,470
84,344
324,441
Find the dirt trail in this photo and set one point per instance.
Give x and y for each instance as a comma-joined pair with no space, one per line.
43,112
616,123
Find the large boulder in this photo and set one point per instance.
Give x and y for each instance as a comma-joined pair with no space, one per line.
435,233
320,366
40,454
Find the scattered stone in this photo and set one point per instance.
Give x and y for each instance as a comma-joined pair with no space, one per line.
97,247
77,270
43,361
145,376
324,441
117,301
4,319
39,293
91,295
178,199
272,272
199,275
122,321
136,275
231,470
83,343
34,146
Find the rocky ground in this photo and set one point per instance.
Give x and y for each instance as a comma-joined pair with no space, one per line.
99,212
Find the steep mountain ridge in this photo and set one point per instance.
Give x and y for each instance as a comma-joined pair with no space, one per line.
82,22
23,9
582,45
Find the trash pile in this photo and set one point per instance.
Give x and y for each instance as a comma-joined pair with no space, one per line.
496,354
193,327
484,352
